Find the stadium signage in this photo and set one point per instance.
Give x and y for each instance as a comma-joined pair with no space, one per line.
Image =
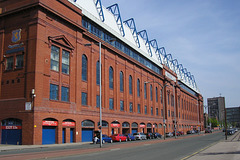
170,76
68,124
49,123
11,127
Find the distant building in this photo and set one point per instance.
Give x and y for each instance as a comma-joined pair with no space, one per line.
233,116
216,108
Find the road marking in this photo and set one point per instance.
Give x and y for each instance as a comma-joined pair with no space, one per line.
191,155
115,149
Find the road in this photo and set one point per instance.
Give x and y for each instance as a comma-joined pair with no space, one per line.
169,149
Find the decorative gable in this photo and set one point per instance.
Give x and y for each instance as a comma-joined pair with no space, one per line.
61,40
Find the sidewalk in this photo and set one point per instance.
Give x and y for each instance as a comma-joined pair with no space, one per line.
21,147
224,150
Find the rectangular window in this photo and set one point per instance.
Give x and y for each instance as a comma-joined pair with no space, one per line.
84,98
168,98
162,112
19,61
9,63
157,111
151,110
54,92
145,109
65,94
111,103
168,113
145,90
139,108
98,101
131,107
161,96
65,62
121,105
151,95
156,94
55,58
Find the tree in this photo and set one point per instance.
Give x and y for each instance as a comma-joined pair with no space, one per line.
214,122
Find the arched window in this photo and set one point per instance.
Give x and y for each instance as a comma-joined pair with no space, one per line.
156,94
161,96
98,73
145,90
84,68
121,81
130,84
151,92
87,123
110,77
138,88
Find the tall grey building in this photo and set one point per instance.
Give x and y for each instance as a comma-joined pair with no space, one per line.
216,106
233,116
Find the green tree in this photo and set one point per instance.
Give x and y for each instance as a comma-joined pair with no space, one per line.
214,122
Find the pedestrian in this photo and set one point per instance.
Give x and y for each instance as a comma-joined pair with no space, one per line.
95,139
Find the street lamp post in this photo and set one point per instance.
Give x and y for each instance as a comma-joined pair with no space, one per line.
198,118
163,105
100,90
175,123
225,115
100,86
100,94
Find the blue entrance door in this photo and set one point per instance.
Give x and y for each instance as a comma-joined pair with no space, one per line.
48,135
71,135
134,131
87,135
12,136
63,135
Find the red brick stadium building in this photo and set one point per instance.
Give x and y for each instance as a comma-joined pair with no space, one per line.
50,83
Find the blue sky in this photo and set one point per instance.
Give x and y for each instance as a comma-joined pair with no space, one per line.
203,35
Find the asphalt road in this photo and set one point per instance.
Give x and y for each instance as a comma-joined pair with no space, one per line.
170,149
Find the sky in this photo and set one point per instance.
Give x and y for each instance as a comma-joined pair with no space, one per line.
203,35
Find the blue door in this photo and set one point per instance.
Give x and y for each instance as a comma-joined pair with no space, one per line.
48,135
134,131
12,136
63,135
87,135
71,135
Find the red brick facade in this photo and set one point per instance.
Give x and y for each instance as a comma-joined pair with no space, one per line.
44,23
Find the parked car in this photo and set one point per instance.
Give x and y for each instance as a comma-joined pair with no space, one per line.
235,129
230,131
190,132
157,135
208,131
139,136
181,132
130,137
149,135
169,134
196,131
105,139
177,133
118,137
